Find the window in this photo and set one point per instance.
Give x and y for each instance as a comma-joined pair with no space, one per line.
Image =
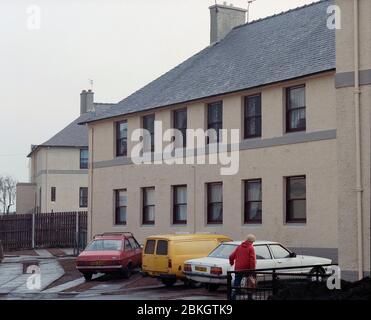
83,197
279,252
180,123
128,245
253,201
148,205
150,247
215,203
295,109
180,204
133,243
121,139
84,158
104,245
215,119
121,204
296,199
253,117
262,253
161,249
53,191
149,125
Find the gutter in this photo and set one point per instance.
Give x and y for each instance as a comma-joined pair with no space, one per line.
357,93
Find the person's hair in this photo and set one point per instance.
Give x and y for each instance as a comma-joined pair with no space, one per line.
251,238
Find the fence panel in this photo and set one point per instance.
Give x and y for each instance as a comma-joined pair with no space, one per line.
52,230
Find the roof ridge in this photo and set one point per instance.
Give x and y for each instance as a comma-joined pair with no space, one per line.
281,13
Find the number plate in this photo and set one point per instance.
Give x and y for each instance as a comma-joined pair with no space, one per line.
97,263
201,269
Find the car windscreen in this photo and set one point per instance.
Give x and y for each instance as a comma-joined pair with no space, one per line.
223,251
105,245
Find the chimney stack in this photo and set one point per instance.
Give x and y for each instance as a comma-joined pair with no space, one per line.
86,101
223,18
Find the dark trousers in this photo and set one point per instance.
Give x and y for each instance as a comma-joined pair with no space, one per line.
237,283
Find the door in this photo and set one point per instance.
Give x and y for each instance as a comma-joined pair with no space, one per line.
283,259
264,260
129,253
161,257
137,252
148,261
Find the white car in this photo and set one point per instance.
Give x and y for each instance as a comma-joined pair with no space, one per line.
212,270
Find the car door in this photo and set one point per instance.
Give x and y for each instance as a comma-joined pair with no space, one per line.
129,252
283,259
264,260
137,252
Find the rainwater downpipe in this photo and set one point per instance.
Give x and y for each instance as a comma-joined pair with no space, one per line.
91,186
357,93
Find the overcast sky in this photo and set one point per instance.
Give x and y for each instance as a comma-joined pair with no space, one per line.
120,44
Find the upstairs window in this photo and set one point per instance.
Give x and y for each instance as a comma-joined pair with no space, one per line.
84,158
253,117
295,109
180,123
149,125
215,119
121,139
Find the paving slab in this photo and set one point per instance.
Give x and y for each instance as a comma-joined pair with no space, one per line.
44,253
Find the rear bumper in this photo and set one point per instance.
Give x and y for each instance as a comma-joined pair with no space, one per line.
209,278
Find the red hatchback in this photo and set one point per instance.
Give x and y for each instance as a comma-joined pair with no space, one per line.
108,253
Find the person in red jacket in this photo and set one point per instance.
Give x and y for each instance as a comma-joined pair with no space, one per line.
243,258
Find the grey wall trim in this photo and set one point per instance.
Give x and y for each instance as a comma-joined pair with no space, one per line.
350,275
329,253
81,171
290,138
287,139
346,79
25,184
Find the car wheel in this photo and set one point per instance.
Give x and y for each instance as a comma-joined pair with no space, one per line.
212,287
168,282
313,274
127,272
88,276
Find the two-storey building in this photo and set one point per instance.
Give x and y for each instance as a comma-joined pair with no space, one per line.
288,83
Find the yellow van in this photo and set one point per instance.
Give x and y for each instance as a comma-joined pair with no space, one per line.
164,255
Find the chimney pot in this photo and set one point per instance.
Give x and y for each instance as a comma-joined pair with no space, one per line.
223,18
86,101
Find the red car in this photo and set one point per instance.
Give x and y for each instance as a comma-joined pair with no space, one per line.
108,253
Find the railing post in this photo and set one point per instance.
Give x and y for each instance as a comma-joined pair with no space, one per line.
274,282
77,234
33,230
229,284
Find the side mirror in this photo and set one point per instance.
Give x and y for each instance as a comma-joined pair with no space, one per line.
292,255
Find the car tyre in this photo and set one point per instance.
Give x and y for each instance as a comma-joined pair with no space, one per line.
168,282
88,276
127,272
313,274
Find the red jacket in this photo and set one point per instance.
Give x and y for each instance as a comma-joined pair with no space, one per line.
243,257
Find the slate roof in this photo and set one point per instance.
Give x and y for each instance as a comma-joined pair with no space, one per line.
277,48
74,135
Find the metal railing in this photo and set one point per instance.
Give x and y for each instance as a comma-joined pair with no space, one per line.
269,281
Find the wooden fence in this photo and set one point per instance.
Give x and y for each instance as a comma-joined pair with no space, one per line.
43,230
